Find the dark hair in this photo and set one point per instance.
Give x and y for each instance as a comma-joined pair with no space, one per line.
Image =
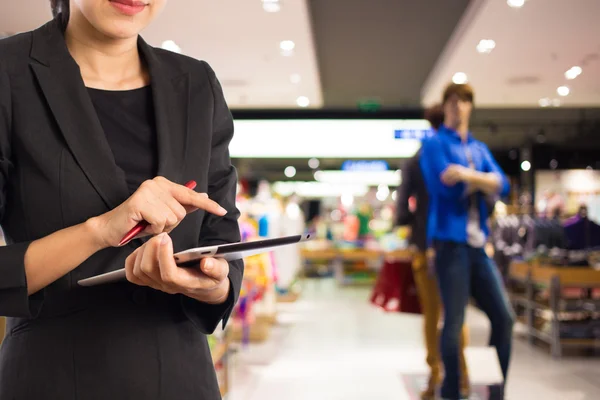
435,116
464,91
61,7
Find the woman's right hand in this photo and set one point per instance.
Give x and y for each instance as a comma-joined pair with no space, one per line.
160,202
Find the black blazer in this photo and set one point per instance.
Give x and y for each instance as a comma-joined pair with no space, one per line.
413,184
117,341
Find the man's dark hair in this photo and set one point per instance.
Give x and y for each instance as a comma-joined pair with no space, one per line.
435,116
464,91
61,7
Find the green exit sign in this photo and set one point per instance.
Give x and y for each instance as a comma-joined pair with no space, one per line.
369,105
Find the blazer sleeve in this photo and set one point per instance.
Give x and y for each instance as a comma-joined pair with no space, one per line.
14,300
433,163
403,214
222,187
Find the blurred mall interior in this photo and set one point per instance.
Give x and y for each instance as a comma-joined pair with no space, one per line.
328,99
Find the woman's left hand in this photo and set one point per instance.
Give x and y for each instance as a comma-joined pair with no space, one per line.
153,265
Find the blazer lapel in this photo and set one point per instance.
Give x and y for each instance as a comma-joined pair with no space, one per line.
60,80
171,98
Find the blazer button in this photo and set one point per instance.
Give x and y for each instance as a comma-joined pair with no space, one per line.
139,297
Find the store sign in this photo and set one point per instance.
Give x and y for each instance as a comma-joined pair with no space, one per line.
365,166
415,134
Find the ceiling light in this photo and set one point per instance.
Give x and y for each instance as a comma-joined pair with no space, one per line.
459,78
525,165
372,178
295,78
573,73
553,164
486,46
287,47
515,3
545,102
171,46
563,91
303,101
382,193
271,6
319,190
395,195
347,200
290,172
314,163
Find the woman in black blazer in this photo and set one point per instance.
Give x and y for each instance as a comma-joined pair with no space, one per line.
97,132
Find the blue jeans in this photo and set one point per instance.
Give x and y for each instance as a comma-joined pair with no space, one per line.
464,271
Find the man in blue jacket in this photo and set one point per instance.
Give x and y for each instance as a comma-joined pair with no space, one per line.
459,173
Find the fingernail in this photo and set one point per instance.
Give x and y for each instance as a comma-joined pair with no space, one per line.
205,195
222,211
165,239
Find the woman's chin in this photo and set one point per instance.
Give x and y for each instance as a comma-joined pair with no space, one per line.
122,29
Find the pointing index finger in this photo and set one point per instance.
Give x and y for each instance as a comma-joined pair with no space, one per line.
190,198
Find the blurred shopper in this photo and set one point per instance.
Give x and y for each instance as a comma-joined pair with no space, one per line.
460,172
413,185
98,131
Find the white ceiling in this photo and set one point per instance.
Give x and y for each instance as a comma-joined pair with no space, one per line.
535,46
237,37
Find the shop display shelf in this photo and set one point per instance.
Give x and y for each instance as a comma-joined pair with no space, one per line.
561,313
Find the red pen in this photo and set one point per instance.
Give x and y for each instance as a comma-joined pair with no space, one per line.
143,224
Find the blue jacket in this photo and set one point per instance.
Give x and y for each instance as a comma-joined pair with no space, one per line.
448,205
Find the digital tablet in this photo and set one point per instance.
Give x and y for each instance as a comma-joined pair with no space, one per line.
191,257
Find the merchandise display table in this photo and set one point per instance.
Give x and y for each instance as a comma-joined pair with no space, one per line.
354,266
546,297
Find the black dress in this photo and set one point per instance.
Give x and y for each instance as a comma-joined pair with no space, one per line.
127,118
68,153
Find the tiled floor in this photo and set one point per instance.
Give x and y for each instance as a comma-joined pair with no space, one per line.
332,345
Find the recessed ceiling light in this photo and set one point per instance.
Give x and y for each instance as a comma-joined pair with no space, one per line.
295,78
485,46
525,165
303,101
573,73
545,102
515,3
171,46
563,91
460,78
287,47
290,172
314,163
271,6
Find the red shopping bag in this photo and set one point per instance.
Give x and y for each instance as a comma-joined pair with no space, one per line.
395,288
409,295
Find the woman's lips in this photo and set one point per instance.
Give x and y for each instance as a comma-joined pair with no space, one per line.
129,7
